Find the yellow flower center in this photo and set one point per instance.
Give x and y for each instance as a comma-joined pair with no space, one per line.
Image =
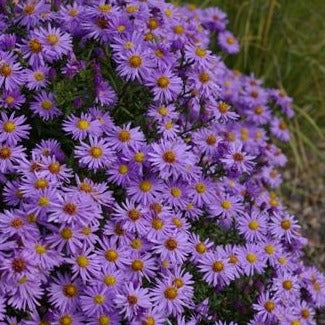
9,126
123,169
86,231
66,233
135,61
171,244
170,293
104,7
226,204
5,70
152,23
305,313
148,321
286,224
16,223
163,110
66,320
238,156
124,136
287,285
39,76
85,187
159,53
176,192
73,12
251,258
211,140
169,156
230,40
157,223
5,153
134,214
121,28
96,152
109,280
200,188
178,29
99,299
43,201
70,290
83,125
40,249
253,225
200,248
111,255
178,283
204,77
139,157
163,82
145,186
47,104
35,46
200,52
269,249
136,243
9,100
218,266
177,222
52,39
70,208
258,110
54,168
132,9
104,320
132,300
137,265
82,261
29,9
269,305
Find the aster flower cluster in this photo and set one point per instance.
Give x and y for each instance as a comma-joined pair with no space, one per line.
138,173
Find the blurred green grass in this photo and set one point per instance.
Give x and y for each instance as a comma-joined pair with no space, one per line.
283,42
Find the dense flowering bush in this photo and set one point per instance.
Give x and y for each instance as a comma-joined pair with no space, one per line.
138,173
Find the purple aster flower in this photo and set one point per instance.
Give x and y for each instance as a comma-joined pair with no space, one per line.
173,246
29,13
227,206
168,298
203,192
37,78
284,226
238,159
13,128
81,127
133,64
140,266
56,43
96,300
228,42
279,129
9,156
131,216
73,208
216,269
124,137
12,99
132,300
286,287
170,158
64,293
253,226
95,155
105,94
11,74
84,264
251,259
267,307
65,238
67,317
145,190
45,106
222,111
165,85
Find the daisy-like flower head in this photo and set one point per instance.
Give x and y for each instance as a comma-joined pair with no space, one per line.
228,42
95,155
165,85
45,106
132,299
251,259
